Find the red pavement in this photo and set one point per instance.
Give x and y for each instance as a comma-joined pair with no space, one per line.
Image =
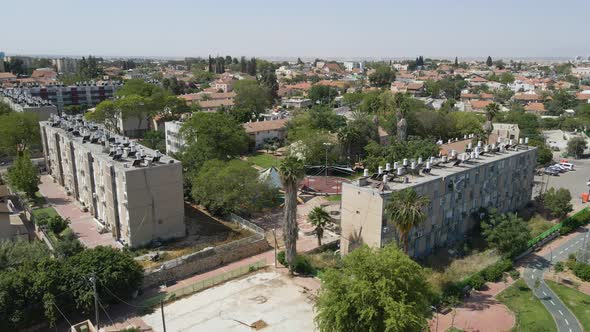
82,223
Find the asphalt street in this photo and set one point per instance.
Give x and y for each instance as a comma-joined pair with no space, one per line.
564,319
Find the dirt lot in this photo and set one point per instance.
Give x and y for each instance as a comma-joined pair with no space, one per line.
268,299
203,231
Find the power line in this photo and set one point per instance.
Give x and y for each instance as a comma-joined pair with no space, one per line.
120,299
62,314
105,311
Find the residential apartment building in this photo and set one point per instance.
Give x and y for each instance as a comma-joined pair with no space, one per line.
20,102
132,191
174,141
66,65
497,176
88,94
262,131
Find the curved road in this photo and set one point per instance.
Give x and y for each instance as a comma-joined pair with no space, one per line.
565,320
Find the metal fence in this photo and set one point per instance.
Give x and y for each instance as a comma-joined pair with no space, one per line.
203,284
246,224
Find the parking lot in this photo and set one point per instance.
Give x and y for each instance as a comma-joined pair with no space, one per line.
576,181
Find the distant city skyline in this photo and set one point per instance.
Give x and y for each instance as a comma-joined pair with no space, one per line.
307,29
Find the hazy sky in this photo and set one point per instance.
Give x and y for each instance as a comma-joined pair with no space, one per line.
367,28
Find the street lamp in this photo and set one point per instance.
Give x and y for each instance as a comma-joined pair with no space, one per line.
327,146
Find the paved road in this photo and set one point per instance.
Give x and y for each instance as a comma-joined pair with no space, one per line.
565,320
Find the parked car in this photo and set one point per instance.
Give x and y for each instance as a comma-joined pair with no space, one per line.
568,166
550,171
558,168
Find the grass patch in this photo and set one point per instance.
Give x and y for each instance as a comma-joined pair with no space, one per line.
530,313
443,271
263,160
334,198
324,260
537,225
576,301
48,211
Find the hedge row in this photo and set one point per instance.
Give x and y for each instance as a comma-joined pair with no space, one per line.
477,280
302,265
579,219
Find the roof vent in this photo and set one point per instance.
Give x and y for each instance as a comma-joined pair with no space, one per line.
380,170
365,172
388,167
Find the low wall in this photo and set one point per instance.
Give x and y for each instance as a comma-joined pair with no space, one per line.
205,260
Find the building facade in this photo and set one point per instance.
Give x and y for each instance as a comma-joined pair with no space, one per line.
88,94
174,141
132,191
23,103
501,180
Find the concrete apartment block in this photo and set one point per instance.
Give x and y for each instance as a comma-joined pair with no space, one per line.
499,177
134,192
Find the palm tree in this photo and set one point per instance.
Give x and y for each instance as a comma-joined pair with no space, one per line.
491,110
291,172
319,218
405,210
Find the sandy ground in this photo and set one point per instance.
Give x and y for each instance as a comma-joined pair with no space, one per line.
271,297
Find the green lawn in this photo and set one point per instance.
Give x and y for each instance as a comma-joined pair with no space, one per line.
530,313
334,198
576,301
263,160
49,211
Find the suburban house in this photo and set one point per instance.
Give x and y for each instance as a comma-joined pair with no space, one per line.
296,103
225,85
262,131
536,108
12,226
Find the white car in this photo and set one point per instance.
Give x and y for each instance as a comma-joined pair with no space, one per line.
568,166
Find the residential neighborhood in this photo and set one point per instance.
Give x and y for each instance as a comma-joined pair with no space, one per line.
230,167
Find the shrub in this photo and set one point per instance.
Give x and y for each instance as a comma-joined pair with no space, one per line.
494,272
582,271
55,224
476,281
579,219
559,267
514,274
302,264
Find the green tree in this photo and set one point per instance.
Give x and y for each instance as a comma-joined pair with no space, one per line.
405,210
251,100
118,276
107,114
412,149
319,218
561,101
24,175
155,139
374,290
489,61
558,202
211,136
4,108
225,187
506,232
357,134
291,171
382,76
503,95
322,94
268,79
576,146
19,132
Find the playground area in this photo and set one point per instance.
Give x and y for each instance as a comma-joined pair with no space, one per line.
322,185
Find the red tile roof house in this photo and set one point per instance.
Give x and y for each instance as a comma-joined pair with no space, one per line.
7,77
536,108
477,81
479,106
263,130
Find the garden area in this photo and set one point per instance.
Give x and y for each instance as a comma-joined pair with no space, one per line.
530,313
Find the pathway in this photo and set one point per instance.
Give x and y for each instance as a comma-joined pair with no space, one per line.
82,223
535,267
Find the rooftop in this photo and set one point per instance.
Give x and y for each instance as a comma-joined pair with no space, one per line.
101,143
416,172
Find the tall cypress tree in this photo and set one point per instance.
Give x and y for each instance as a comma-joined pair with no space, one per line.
489,61
243,65
210,64
456,62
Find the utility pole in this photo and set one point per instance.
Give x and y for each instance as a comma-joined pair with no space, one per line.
327,146
162,309
93,280
274,233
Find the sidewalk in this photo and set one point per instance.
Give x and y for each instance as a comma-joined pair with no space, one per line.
82,223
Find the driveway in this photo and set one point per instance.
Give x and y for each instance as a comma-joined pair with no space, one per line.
575,181
538,264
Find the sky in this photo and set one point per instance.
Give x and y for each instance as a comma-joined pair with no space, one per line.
301,28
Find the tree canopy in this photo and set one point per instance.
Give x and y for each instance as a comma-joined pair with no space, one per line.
211,136
374,290
251,100
24,175
19,132
506,232
558,202
382,76
224,187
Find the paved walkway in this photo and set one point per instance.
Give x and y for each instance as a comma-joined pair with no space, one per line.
82,223
480,312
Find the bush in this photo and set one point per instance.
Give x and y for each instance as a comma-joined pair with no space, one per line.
476,281
582,271
302,264
495,272
514,274
55,224
579,219
559,267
